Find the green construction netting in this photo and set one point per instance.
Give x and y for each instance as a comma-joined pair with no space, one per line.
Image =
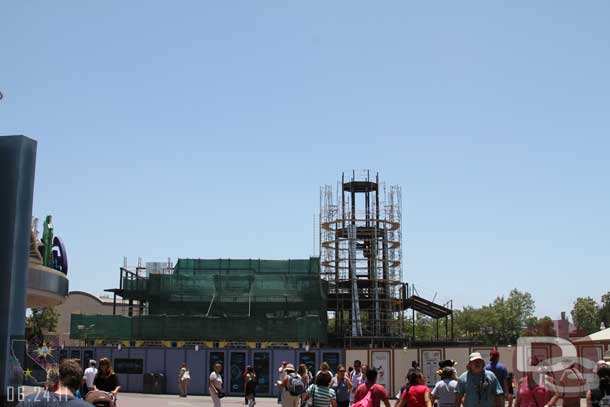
89,327
226,299
197,328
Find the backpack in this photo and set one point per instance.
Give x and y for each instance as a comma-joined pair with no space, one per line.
295,385
251,382
367,401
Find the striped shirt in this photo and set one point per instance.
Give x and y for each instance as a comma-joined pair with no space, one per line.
322,396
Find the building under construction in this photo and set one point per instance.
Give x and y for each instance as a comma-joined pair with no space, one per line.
357,281
361,259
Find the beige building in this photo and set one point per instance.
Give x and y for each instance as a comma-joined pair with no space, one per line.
80,302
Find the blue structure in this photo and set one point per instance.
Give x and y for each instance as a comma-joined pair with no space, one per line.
17,167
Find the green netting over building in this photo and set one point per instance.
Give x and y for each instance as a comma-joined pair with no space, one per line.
220,300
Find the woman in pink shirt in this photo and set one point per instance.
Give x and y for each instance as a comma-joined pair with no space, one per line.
417,394
532,394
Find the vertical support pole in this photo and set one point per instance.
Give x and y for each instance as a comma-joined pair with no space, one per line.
17,167
114,303
413,321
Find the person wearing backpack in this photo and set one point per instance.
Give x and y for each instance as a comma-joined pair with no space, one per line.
342,387
291,387
320,394
369,393
250,382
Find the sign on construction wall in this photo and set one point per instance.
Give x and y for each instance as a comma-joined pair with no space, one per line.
430,361
381,361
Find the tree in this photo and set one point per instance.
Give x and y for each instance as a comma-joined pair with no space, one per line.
499,323
586,315
604,310
41,319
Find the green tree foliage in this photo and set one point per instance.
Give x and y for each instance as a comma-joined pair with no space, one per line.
501,322
604,310
586,315
41,319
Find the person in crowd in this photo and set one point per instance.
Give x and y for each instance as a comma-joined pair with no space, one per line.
600,397
444,390
250,382
184,378
417,394
510,383
281,374
216,384
356,377
324,367
52,382
414,364
478,387
531,393
378,392
342,386
105,379
572,381
320,393
89,377
499,370
289,399
305,375
70,377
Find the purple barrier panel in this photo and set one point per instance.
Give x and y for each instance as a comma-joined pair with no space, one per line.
136,380
173,361
102,352
155,361
196,363
123,378
277,356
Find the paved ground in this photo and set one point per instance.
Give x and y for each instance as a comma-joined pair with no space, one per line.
150,400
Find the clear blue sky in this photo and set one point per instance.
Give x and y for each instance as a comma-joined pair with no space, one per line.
204,129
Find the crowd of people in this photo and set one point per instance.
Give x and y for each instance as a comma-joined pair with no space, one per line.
68,385
482,384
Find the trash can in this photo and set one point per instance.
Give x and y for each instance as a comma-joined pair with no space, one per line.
148,383
159,384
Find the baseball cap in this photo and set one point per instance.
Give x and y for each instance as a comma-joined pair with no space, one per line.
475,356
494,352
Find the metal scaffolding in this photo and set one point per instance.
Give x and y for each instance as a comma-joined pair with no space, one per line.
361,258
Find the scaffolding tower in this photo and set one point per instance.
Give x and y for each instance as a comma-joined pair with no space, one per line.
361,258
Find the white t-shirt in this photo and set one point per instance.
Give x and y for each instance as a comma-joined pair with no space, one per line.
357,379
444,390
216,380
89,374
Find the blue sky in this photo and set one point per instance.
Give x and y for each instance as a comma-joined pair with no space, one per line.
205,129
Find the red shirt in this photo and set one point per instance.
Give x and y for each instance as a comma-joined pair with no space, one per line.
415,397
378,393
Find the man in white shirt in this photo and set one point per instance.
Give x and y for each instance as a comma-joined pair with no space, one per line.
357,378
89,375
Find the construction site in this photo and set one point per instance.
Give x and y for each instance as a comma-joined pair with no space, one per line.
353,294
